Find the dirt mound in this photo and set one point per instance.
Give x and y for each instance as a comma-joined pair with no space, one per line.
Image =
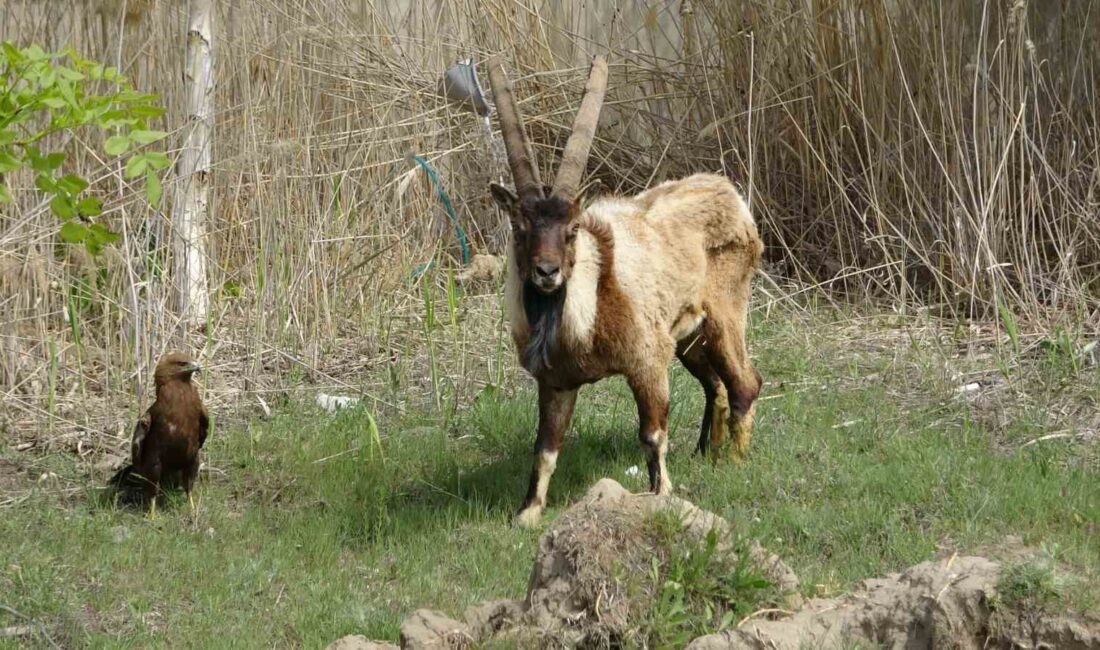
625,570
599,567
941,604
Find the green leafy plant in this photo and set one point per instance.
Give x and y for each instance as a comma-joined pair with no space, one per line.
45,94
1030,584
702,590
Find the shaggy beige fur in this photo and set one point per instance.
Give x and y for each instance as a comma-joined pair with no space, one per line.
662,274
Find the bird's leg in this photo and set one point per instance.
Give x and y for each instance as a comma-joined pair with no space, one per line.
189,475
151,486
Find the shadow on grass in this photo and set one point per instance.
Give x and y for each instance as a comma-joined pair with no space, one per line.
496,488
425,476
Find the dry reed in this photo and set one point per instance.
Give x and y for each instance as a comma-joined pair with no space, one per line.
940,153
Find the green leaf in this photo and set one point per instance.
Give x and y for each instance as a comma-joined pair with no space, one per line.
54,160
7,136
72,232
144,111
66,89
157,160
130,96
69,75
117,122
12,53
35,53
146,137
5,196
100,233
727,620
46,183
152,187
136,166
94,246
89,206
8,162
44,164
1009,320
62,206
72,183
48,78
53,102
116,145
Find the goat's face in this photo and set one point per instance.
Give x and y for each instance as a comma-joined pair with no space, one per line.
544,235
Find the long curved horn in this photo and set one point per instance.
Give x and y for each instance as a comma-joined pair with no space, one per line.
520,157
575,157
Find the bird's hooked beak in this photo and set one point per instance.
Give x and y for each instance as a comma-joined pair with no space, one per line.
192,367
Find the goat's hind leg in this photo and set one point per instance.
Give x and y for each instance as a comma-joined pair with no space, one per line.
727,351
555,411
716,411
651,393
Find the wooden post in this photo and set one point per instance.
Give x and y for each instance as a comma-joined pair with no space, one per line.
191,205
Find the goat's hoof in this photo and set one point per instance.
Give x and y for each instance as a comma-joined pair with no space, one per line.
529,517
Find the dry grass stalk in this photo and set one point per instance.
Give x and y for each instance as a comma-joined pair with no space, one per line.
944,154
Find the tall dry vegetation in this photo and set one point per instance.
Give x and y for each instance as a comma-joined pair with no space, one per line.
940,152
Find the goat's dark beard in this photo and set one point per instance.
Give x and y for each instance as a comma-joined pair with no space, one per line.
544,313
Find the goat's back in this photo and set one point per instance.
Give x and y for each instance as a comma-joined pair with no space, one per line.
670,238
706,203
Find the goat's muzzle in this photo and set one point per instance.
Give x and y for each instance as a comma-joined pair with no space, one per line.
546,276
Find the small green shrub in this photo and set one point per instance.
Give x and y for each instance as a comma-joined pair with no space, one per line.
1029,585
43,94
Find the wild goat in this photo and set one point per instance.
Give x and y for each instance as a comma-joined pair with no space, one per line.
620,287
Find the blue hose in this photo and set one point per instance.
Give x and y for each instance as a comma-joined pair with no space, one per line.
460,233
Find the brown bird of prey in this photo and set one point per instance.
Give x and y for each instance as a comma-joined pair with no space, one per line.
169,435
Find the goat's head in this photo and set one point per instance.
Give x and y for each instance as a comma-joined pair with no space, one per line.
544,219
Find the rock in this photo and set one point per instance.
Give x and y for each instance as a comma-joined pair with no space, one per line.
430,629
359,642
490,617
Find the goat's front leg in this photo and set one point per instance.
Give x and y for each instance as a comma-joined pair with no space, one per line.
651,394
555,411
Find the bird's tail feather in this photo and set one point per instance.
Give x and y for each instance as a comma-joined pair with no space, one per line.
128,486
122,476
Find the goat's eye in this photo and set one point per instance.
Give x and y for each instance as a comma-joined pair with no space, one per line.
571,232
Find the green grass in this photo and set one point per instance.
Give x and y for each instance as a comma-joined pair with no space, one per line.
864,461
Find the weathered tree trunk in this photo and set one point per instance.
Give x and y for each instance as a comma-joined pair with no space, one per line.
193,168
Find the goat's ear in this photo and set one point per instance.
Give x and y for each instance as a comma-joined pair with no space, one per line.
504,197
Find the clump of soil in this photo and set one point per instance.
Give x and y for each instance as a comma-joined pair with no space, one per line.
941,604
601,566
